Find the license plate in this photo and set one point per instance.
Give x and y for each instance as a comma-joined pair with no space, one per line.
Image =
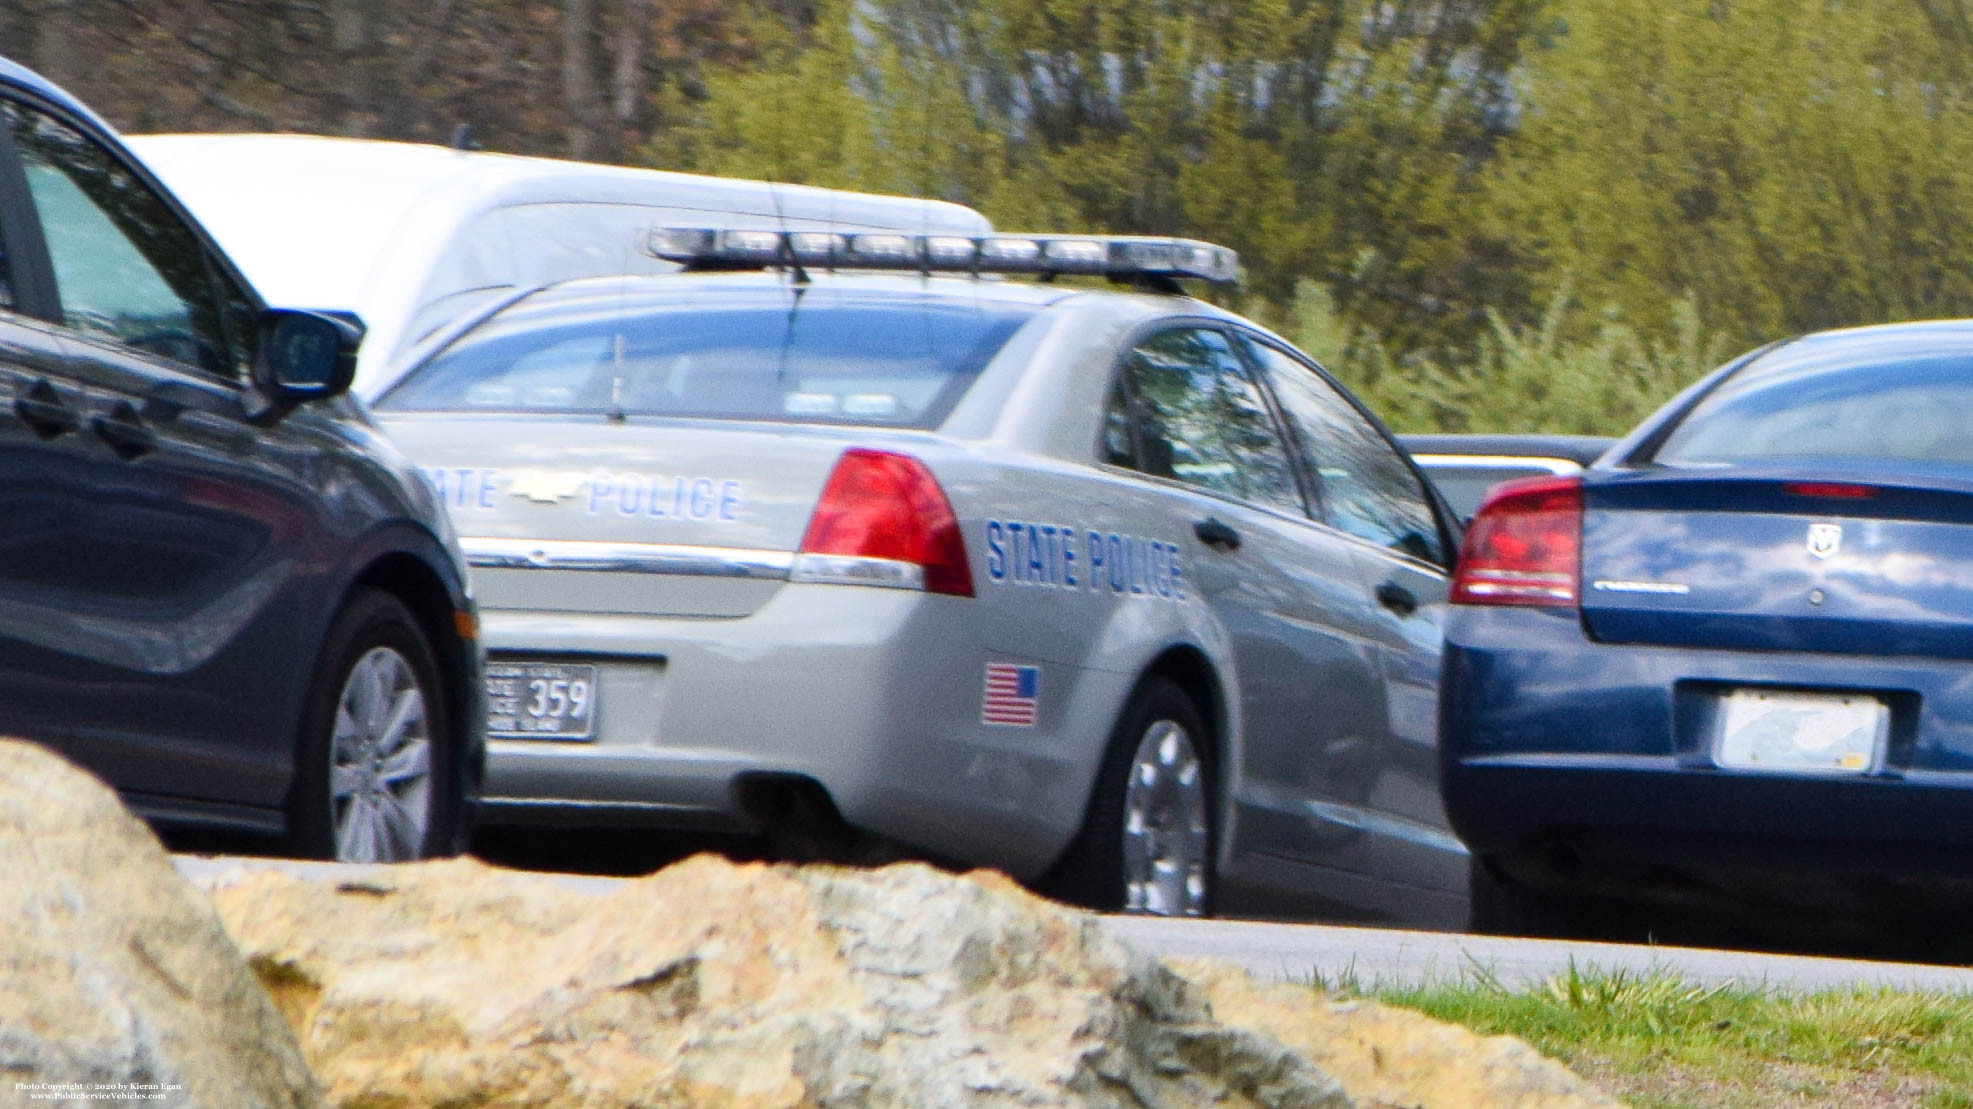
540,700
1812,732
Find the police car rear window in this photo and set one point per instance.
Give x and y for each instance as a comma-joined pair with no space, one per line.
892,364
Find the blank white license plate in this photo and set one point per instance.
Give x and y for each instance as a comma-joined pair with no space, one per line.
540,700
1813,732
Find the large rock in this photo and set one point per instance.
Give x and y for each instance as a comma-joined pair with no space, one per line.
1386,1055
116,977
715,985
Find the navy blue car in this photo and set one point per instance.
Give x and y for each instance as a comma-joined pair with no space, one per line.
1730,666
222,589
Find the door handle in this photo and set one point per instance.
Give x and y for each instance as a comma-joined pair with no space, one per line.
1397,598
44,411
125,431
1215,534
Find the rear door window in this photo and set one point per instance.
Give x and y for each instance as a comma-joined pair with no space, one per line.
1198,419
879,363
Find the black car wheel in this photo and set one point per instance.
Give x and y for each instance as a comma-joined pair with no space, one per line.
374,780
1146,845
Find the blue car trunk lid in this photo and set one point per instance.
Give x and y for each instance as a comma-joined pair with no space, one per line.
1880,563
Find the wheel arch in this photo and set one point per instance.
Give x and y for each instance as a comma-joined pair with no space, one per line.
1192,670
1071,874
416,585
1187,667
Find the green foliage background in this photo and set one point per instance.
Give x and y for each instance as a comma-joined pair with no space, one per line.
1484,214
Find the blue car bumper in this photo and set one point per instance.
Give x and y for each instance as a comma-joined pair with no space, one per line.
1589,766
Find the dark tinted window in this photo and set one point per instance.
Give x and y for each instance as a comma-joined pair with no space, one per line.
1201,421
853,362
1364,485
126,268
1841,404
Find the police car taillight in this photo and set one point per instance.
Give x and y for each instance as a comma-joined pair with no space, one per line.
1524,546
883,520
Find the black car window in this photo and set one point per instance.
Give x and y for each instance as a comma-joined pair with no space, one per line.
1201,421
1365,486
852,361
126,268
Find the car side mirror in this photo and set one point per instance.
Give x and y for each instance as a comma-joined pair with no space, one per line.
304,356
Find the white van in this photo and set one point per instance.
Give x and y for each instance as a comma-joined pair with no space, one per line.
409,237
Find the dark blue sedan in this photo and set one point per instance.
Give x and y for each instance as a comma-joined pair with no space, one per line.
1731,665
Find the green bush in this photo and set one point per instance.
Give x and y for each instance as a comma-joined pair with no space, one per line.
1570,373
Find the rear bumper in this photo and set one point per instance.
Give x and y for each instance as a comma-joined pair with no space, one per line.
874,694
1585,765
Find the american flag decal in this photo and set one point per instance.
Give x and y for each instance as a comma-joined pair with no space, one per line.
1011,695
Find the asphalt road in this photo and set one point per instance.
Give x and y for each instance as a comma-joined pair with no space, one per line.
1372,956
1377,956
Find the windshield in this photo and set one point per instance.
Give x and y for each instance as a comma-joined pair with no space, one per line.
1914,408
884,363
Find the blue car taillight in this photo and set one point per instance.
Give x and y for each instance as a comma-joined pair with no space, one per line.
1524,546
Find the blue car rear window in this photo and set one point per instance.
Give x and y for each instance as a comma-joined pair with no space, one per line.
892,364
1917,408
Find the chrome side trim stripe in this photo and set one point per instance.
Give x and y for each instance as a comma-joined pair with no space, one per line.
627,558
853,570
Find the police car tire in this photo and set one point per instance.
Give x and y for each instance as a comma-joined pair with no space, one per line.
1090,872
370,618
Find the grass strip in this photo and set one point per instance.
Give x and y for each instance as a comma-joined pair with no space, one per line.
1660,1042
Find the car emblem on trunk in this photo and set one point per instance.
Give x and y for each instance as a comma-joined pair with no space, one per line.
546,486
1825,539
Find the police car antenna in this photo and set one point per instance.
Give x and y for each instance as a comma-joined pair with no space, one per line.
796,274
793,261
615,412
788,255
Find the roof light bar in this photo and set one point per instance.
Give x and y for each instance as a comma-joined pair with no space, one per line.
821,247
949,252
1119,257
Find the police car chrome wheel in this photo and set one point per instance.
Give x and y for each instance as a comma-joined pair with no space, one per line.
1166,840
380,777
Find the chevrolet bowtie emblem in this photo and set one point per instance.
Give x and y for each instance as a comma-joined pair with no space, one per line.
546,486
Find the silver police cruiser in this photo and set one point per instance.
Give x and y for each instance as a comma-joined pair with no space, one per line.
1112,590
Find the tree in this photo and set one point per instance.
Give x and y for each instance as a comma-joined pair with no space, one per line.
1331,138
1789,168
362,67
